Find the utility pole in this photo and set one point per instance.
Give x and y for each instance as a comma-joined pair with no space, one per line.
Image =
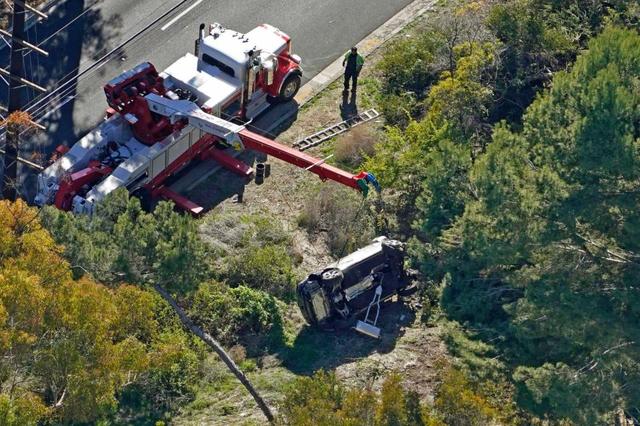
16,82
218,349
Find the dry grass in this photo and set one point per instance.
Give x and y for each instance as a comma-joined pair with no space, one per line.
341,215
353,147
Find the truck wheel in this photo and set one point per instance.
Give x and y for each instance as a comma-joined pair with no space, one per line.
331,278
290,88
146,201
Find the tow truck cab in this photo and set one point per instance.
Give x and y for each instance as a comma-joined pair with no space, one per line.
346,287
238,74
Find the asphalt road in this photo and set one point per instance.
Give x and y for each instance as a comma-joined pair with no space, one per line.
321,31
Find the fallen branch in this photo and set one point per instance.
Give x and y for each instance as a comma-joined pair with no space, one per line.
213,344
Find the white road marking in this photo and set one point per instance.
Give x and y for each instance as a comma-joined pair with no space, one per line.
184,12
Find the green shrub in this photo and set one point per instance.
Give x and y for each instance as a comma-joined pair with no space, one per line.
230,314
268,268
265,229
323,400
248,366
21,410
460,404
228,233
407,66
399,110
408,71
171,379
252,250
353,147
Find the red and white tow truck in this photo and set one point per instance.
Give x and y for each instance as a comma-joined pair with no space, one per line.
159,123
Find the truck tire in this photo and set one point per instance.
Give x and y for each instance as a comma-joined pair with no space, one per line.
146,201
290,88
331,278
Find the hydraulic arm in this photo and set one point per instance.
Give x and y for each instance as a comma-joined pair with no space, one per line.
238,136
260,143
157,124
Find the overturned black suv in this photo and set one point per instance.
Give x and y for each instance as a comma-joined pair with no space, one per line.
348,286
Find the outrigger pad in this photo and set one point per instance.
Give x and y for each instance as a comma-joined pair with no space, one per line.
368,329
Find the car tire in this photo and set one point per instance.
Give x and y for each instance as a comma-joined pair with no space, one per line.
290,88
331,278
393,249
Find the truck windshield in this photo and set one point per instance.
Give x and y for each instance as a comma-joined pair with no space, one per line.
216,63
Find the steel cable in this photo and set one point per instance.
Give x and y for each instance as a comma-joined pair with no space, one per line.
99,63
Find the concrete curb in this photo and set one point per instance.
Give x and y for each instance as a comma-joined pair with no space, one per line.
320,82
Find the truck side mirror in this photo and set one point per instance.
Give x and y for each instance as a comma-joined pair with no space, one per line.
253,72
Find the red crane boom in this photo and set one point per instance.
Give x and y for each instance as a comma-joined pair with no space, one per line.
256,142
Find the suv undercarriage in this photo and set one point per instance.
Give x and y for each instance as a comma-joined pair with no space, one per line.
348,286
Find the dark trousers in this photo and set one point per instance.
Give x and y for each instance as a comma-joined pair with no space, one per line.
353,76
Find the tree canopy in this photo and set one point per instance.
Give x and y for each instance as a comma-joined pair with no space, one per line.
71,347
545,252
518,181
322,400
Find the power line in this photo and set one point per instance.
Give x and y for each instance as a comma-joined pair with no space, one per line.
103,60
71,77
16,82
65,26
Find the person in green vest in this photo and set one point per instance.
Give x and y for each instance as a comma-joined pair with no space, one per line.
352,64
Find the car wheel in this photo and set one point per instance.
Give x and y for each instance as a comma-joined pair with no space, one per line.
332,278
290,88
393,249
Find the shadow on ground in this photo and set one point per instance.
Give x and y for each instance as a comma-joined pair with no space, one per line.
223,184
349,105
90,36
70,34
315,349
